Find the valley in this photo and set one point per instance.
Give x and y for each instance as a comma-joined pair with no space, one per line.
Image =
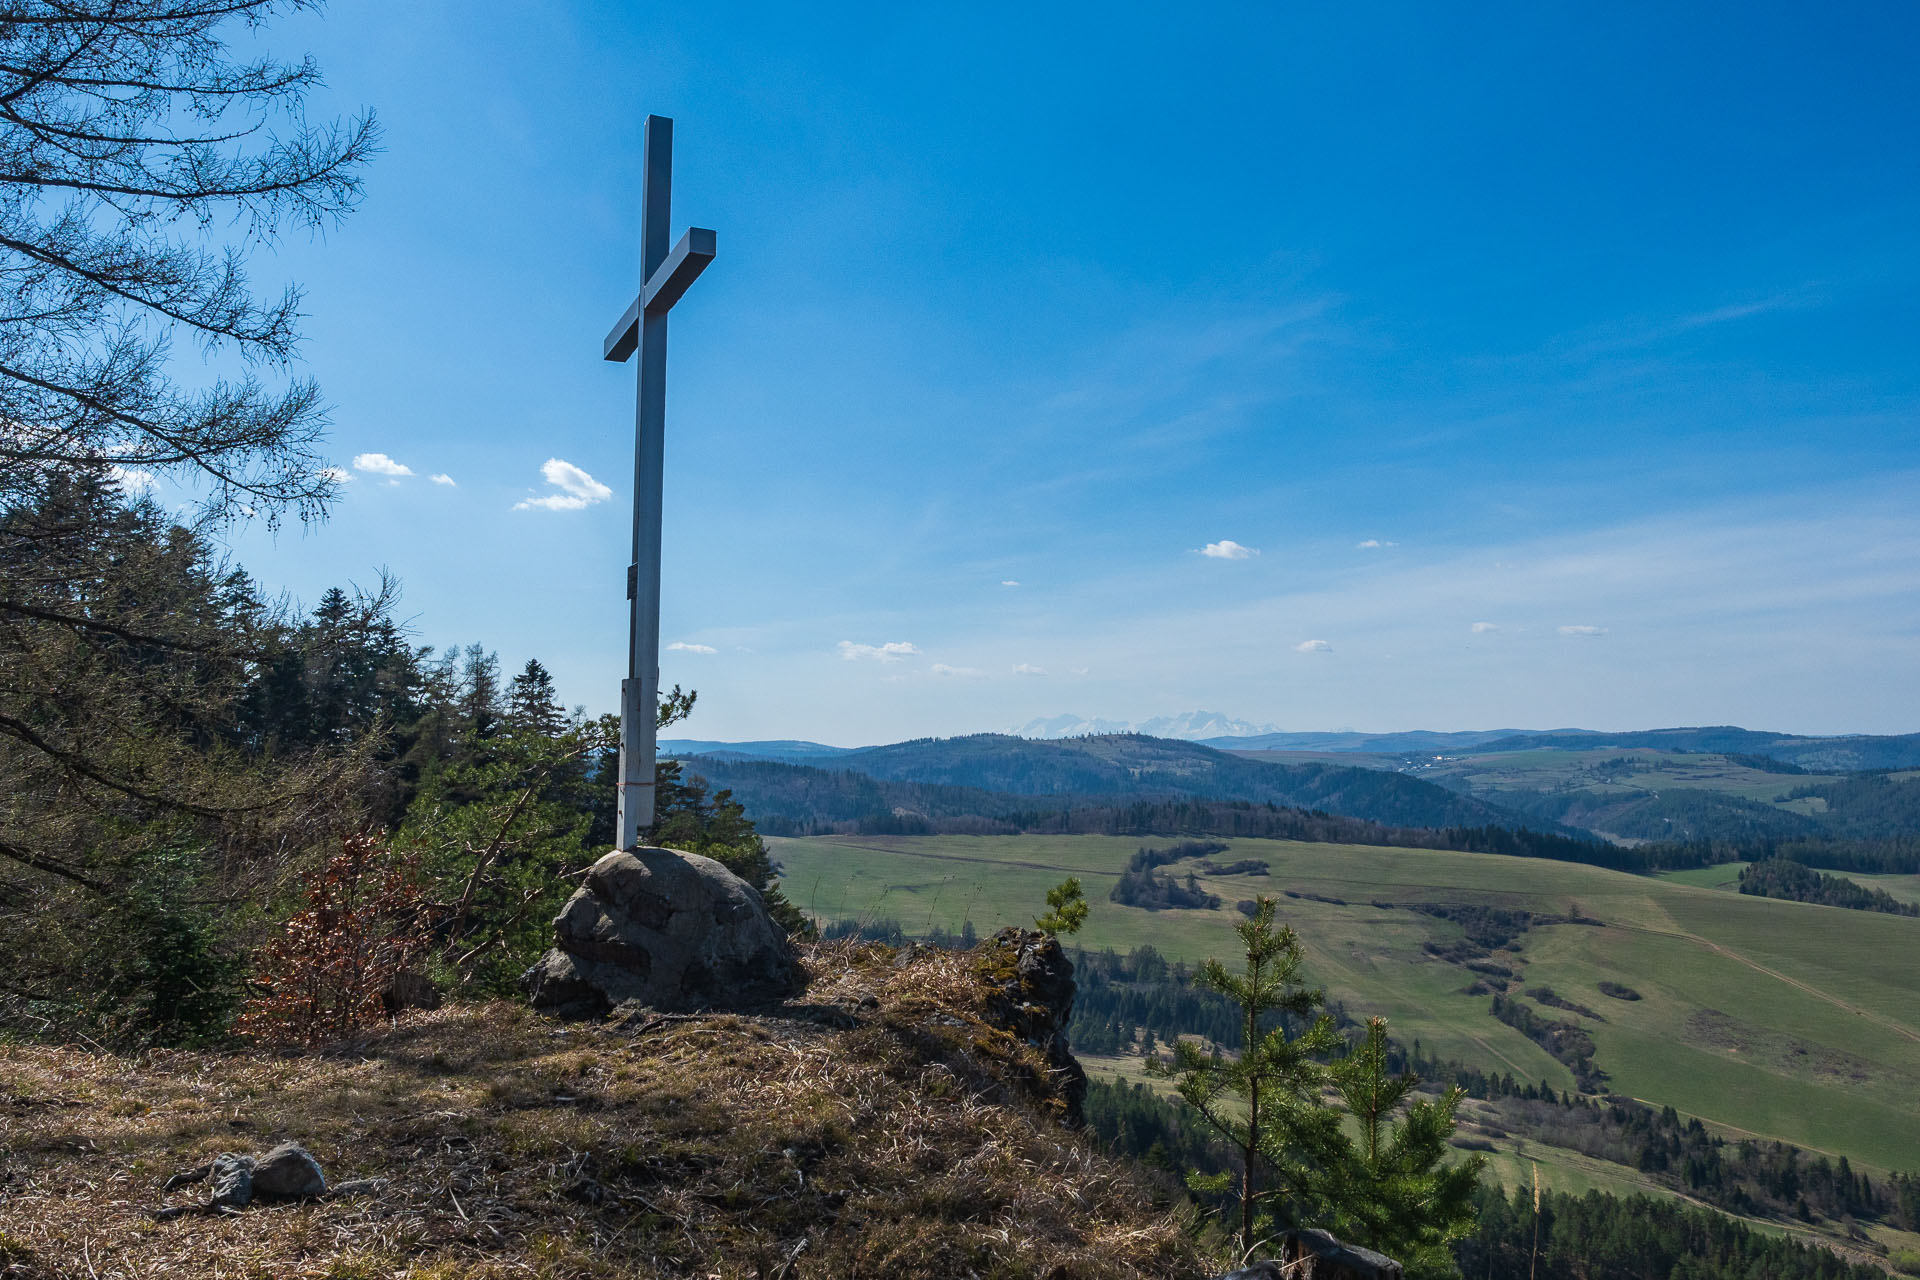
1762,1018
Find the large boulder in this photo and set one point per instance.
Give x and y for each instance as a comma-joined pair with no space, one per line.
671,930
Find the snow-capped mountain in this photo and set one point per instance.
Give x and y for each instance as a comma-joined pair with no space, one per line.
1190,726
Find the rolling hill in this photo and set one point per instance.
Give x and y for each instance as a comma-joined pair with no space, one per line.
1761,1017
993,775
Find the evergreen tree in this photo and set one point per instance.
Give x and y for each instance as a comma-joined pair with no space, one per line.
532,705
481,708
499,832
1265,1103
1391,1190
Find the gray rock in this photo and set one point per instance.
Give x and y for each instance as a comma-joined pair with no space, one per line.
672,930
232,1184
288,1172
1313,1254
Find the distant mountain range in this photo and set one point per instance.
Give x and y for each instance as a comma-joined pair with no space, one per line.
1411,741
1839,754
1192,726
785,749
996,775
1836,754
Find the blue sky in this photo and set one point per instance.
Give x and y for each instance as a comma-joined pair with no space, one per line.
1520,368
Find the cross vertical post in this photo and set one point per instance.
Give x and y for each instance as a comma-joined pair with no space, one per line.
665,275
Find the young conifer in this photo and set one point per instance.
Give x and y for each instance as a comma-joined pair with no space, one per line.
1265,1102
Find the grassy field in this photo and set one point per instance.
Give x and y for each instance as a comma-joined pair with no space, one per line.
1725,875
1778,1019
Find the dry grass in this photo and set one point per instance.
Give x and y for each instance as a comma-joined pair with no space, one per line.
834,1139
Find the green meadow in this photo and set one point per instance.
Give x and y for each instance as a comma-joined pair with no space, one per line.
1777,1019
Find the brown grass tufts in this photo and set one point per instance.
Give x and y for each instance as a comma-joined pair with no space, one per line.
863,1131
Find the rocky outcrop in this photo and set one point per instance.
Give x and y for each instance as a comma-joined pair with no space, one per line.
1316,1255
1034,1000
670,930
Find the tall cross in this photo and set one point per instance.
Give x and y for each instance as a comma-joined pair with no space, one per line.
665,276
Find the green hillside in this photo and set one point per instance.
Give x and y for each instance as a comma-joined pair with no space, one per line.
1636,794
1773,1018
974,774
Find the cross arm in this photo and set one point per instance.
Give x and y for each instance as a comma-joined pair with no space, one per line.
671,279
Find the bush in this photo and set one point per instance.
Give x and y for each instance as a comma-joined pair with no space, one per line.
325,976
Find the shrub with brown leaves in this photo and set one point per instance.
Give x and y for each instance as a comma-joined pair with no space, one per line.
362,926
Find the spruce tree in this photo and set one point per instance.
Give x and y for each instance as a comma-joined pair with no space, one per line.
1391,1190
532,705
1265,1103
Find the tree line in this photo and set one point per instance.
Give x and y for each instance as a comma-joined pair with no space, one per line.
181,753
1785,878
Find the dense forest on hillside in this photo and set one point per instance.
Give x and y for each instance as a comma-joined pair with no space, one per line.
1866,806
1673,814
1634,1238
1784,878
1096,770
1860,807
1845,754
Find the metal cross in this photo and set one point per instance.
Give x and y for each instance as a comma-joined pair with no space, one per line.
665,276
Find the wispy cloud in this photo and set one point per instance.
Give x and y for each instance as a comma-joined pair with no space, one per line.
892,651
1482,628
1372,544
380,464
443,478
1583,632
681,646
1228,549
1028,669
1313,646
1009,582
955,673
578,490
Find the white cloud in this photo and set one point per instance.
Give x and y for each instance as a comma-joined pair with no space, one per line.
339,475
1482,628
578,490
891,652
956,673
443,478
1028,669
681,646
1583,632
1373,544
380,465
1313,646
1009,582
1228,549
132,479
